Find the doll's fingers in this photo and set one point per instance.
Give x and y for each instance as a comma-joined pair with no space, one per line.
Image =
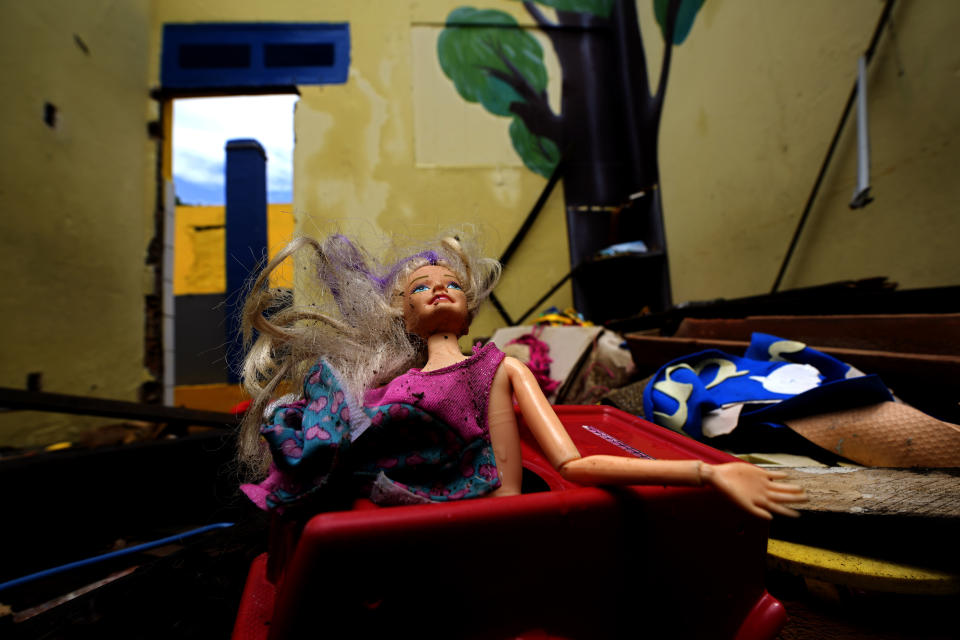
786,488
788,497
760,512
775,475
748,505
783,510
787,493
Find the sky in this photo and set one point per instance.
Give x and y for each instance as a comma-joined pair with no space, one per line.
201,129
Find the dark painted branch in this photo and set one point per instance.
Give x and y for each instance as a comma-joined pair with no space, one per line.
593,112
535,109
637,95
552,29
657,106
537,15
631,44
541,121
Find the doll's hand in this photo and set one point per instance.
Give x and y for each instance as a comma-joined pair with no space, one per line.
754,488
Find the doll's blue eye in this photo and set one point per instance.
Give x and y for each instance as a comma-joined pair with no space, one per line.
419,288
454,285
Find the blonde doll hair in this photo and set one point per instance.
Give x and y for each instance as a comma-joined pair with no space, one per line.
346,309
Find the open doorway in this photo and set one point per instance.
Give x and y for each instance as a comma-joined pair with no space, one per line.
201,128
228,60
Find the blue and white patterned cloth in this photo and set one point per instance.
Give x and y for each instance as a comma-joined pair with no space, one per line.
703,394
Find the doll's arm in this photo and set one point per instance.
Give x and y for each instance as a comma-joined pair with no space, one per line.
749,486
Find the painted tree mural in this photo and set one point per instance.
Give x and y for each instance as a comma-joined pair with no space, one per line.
607,128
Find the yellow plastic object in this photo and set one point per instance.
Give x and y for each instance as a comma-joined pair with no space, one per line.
859,572
210,397
569,317
57,446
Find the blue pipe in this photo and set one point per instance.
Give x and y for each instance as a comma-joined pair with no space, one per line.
113,554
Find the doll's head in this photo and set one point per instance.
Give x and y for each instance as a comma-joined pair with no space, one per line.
441,289
362,284
348,308
433,302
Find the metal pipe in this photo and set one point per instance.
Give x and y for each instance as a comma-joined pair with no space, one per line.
861,197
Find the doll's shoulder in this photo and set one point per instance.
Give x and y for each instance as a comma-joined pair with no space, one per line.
520,380
506,377
514,367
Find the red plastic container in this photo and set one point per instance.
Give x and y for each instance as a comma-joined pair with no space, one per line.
568,562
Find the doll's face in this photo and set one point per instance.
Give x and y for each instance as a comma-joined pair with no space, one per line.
434,302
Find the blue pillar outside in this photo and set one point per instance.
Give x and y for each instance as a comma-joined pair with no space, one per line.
246,197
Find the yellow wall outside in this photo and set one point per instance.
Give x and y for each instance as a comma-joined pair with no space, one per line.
76,204
200,248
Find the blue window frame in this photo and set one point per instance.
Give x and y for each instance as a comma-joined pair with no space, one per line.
234,55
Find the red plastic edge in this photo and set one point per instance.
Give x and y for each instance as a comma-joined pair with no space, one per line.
256,604
765,619
763,622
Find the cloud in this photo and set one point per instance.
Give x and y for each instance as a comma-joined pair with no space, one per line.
202,127
191,192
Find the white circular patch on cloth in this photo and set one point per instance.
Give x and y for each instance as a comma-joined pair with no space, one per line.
790,379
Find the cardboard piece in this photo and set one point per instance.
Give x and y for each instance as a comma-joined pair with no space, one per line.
569,347
888,434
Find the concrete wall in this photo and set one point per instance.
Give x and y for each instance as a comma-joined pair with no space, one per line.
77,199
199,284
755,94
361,165
200,246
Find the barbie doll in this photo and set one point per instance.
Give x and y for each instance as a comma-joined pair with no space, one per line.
391,408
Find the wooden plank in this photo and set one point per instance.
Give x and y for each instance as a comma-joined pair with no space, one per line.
910,517
81,405
877,491
904,333
655,351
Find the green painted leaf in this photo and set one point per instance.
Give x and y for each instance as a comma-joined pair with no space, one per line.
685,16
540,155
467,54
600,8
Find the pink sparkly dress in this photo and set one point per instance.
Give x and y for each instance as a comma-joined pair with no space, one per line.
422,437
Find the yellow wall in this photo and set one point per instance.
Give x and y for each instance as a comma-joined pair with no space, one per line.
355,160
755,94
746,125
200,243
76,203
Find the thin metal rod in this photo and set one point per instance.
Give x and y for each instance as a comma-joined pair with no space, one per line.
884,17
544,297
501,310
178,538
861,195
532,216
522,232
86,406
